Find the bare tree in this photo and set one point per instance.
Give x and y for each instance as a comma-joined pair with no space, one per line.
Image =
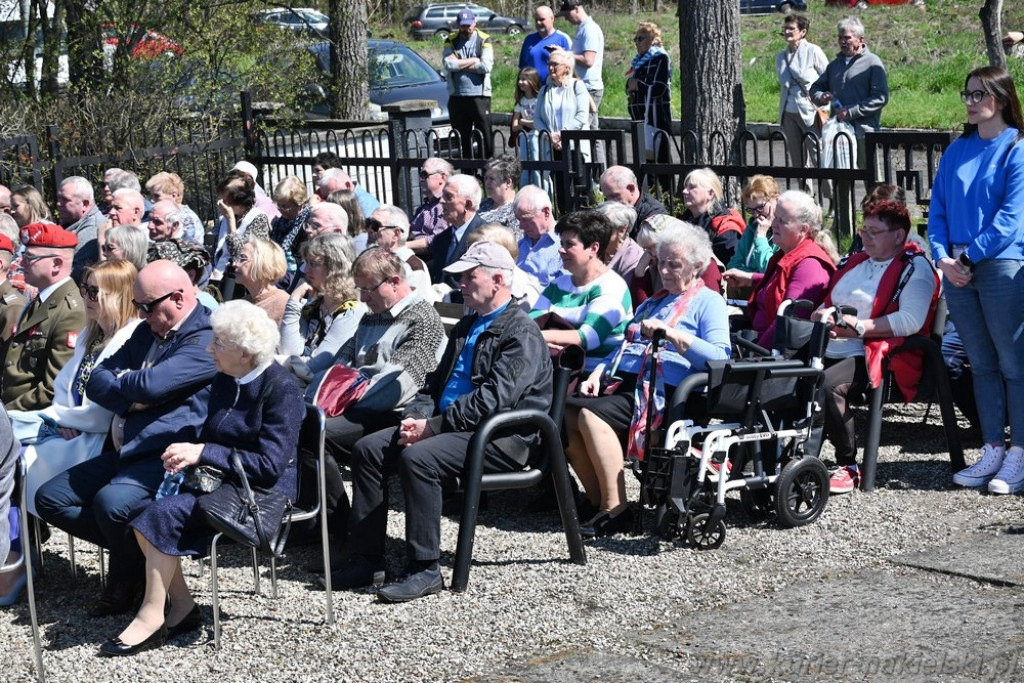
711,76
991,23
348,92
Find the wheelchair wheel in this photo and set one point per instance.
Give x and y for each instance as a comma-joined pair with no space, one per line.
666,522
704,535
801,492
757,504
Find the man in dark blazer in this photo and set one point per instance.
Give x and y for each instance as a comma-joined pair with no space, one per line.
47,330
460,201
157,386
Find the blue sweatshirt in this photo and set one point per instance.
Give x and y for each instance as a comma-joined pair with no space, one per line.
978,199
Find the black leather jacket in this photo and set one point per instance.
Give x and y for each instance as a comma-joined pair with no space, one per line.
511,370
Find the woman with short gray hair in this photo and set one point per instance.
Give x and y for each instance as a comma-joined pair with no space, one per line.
623,252
605,427
126,243
255,411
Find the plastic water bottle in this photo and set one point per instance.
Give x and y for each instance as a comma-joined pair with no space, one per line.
169,486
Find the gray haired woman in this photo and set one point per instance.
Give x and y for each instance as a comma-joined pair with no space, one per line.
126,243
604,429
255,410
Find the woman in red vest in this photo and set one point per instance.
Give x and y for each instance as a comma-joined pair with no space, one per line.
800,269
893,287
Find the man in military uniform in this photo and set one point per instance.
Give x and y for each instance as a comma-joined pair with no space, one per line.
12,302
45,334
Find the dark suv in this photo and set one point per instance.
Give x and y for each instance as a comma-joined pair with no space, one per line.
438,19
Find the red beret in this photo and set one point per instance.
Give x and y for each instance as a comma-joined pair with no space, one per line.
6,244
47,235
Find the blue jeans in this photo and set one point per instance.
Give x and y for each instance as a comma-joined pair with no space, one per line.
989,315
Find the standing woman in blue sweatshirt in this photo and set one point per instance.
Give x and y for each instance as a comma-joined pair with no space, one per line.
976,229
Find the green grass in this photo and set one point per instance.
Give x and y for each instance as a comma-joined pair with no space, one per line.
927,52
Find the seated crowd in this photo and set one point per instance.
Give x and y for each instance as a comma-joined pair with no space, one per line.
142,354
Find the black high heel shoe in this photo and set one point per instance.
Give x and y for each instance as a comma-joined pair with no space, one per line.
605,523
116,648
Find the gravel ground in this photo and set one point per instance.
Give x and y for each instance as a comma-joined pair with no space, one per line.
525,602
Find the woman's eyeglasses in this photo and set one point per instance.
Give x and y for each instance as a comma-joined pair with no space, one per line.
426,174
90,292
972,96
639,39
759,209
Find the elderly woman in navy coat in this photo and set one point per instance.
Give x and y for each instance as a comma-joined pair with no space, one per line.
255,408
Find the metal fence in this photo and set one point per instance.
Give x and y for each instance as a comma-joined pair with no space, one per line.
385,158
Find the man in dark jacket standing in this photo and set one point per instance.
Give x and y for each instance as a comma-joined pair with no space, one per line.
496,361
158,386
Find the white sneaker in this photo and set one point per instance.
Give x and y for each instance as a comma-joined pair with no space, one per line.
1010,478
983,471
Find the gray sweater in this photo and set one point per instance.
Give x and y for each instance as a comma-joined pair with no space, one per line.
395,349
859,84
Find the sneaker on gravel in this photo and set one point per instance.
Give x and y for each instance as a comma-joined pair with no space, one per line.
1010,477
844,480
982,472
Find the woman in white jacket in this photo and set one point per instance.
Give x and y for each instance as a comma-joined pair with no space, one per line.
797,67
74,428
563,104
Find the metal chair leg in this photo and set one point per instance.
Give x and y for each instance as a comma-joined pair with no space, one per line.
273,577
215,590
71,556
256,572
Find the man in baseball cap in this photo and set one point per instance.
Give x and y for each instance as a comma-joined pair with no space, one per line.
468,58
46,333
495,361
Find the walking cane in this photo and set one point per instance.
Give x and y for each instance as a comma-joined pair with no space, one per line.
656,339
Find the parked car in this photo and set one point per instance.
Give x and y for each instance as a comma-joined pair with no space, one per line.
303,21
863,4
148,44
769,6
397,72
438,19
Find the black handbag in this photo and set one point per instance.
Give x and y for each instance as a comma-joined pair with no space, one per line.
251,517
202,479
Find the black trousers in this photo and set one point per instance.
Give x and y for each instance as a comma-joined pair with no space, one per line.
425,468
469,113
342,434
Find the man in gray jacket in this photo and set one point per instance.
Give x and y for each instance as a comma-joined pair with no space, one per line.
78,213
856,86
468,57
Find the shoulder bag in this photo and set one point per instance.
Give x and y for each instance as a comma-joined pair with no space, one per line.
251,517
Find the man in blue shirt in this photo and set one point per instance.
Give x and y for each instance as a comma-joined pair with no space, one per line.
537,46
495,361
539,249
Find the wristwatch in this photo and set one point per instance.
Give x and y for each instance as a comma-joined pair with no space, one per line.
859,329
966,262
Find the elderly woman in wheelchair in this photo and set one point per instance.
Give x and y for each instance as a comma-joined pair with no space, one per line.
607,420
876,298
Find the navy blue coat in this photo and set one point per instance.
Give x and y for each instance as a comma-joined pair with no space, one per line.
261,421
162,404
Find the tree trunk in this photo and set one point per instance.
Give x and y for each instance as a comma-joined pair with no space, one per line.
711,79
85,43
991,15
348,93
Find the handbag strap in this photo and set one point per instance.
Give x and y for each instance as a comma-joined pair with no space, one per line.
789,65
250,501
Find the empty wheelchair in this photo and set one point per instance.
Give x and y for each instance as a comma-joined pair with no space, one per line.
757,440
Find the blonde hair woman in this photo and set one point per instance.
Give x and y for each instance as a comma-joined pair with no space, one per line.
258,268
72,429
